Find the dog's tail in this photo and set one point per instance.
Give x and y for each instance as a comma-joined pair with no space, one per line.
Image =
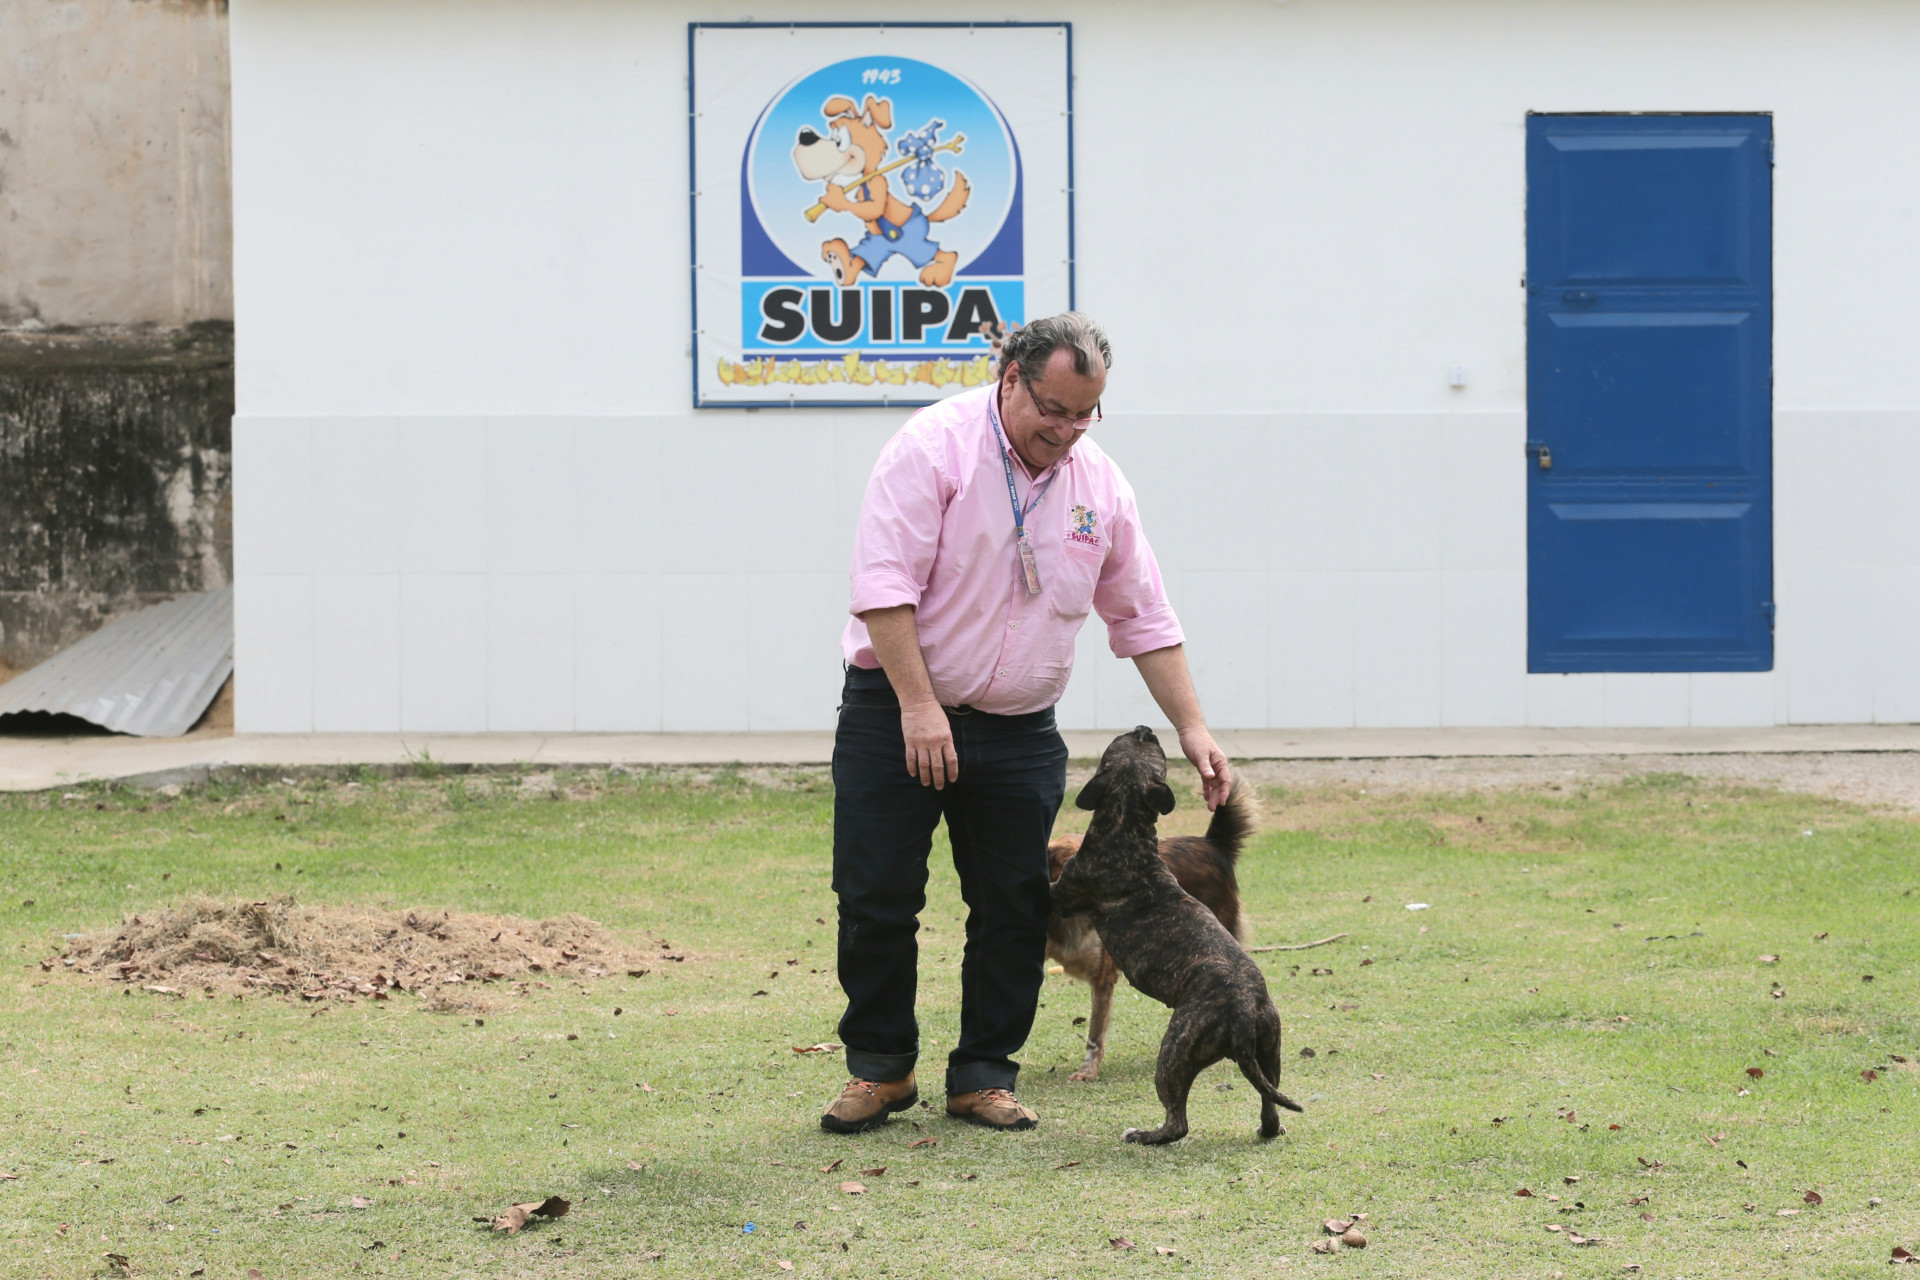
1248,1060
956,199
1234,822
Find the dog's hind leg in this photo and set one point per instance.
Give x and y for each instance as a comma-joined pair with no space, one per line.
1181,1059
1104,980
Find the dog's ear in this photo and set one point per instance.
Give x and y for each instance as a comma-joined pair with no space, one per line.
878,112
1162,796
1093,793
838,105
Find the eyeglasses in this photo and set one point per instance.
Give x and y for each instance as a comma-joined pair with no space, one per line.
1078,424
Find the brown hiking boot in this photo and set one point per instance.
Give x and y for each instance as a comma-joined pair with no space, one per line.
994,1108
866,1104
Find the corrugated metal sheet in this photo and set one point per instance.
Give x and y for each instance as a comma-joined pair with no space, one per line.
151,673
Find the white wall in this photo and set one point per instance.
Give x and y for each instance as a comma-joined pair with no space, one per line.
470,493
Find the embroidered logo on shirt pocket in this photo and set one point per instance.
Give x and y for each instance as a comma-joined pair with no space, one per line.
1083,532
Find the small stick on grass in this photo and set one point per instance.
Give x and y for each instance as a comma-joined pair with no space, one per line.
1296,946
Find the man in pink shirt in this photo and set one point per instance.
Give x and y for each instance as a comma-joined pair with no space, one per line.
990,529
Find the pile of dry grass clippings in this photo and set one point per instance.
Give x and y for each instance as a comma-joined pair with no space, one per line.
313,953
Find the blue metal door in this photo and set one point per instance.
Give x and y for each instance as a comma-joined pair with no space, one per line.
1649,393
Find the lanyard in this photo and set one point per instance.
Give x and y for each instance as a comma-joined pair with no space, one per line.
1029,566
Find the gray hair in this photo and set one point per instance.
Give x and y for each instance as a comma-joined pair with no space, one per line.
1032,345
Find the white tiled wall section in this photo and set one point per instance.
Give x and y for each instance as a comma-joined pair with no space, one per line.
689,573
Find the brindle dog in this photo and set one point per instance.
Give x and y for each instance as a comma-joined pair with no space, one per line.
1167,944
1204,866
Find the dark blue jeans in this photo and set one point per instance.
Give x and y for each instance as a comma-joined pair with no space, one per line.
1013,774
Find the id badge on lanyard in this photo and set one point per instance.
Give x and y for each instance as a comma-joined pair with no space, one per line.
1029,566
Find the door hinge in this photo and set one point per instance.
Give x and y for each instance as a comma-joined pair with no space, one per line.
1767,610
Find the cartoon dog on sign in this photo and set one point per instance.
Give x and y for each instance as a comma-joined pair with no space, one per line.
855,146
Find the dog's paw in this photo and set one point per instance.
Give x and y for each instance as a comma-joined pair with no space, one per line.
1085,1074
1133,1135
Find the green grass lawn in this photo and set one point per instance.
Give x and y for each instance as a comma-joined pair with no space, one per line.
1582,999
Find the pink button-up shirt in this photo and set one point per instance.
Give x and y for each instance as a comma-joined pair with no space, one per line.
936,532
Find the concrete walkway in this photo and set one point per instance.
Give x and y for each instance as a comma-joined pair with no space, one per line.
30,763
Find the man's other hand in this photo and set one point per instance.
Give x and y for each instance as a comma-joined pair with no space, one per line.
930,754
1216,777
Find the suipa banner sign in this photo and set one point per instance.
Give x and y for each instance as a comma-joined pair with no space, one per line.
868,199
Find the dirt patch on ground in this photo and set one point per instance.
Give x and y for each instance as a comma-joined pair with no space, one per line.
1882,780
279,948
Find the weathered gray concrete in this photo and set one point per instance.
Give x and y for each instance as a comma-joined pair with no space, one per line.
115,490
116,203
116,306
40,763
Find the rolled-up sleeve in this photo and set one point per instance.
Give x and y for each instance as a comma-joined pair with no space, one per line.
899,531
1130,598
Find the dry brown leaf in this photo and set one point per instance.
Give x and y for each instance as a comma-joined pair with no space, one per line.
1785,1213
516,1217
1163,1250
1769,959
1554,1226
875,1172
1335,1226
118,1261
1756,1072
853,1188
784,1265
1323,1246
1571,1179
829,1168
1353,1239
1119,1242
1869,1075
1523,1192
1574,1237
1813,1197
922,1142
360,1202
817,1048
1903,1254
1071,1164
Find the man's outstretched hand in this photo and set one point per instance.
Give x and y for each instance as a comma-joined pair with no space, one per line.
1216,777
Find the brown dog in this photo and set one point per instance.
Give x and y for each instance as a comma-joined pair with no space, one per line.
1204,866
1170,946
855,145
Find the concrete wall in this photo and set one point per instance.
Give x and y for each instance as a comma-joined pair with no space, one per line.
116,297
471,495
115,205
